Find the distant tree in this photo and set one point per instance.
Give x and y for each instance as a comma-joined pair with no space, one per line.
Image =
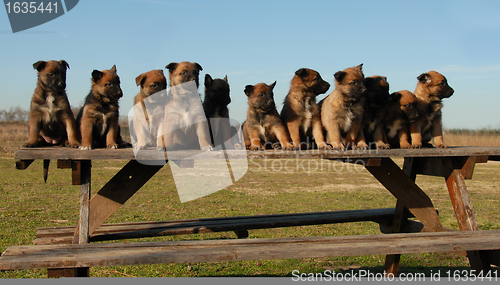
14,114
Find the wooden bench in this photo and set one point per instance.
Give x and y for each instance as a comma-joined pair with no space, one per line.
240,225
112,254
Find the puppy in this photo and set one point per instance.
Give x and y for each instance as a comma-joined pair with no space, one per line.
263,122
342,110
185,125
377,101
98,118
300,112
149,111
432,88
215,106
401,111
51,120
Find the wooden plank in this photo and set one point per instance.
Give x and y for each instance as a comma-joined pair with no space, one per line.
81,234
400,219
118,190
407,192
64,164
113,254
23,163
128,154
237,224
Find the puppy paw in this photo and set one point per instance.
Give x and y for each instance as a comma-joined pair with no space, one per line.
417,146
112,146
361,146
324,146
238,146
72,144
442,146
160,148
30,145
383,146
255,147
85,147
207,148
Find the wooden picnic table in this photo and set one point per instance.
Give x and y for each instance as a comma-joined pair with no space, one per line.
66,251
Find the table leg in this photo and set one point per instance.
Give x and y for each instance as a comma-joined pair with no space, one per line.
400,218
454,176
118,190
81,176
407,192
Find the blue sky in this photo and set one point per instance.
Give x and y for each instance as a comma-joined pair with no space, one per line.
267,41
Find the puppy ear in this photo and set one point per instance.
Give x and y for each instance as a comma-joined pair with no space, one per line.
139,80
396,96
339,76
171,66
360,67
225,78
64,63
113,68
39,65
198,66
424,78
272,85
248,90
208,80
301,72
96,75
368,82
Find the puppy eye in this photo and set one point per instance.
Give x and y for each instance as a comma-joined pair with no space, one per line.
153,85
183,73
408,106
315,79
108,84
260,95
50,74
354,82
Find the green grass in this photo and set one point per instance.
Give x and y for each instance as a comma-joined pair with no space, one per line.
28,203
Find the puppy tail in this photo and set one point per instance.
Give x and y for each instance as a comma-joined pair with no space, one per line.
46,163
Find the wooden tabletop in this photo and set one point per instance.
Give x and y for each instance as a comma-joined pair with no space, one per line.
64,153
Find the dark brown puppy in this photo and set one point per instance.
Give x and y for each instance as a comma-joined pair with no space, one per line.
300,112
432,88
401,111
377,100
185,125
51,120
342,110
215,107
98,118
263,126
150,82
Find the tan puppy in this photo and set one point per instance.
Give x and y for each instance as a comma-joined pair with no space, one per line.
149,111
98,118
401,111
342,110
432,88
51,120
185,125
300,112
263,126
377,101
